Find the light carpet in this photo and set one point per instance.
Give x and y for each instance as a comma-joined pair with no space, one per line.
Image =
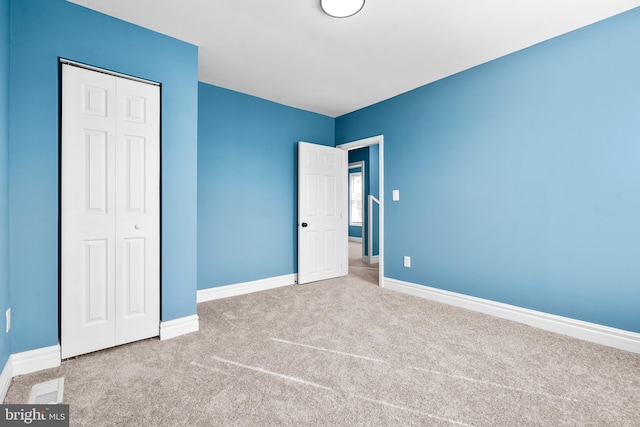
344,352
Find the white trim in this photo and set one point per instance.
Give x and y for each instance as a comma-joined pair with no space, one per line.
379,139
246,287
39,359
355,165
353,145
370,202
104,71
599,334
371,259
5,379
27,362
181,326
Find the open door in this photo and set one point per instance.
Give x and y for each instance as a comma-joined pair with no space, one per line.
322,212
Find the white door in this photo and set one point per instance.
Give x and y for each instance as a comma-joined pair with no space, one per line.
110,227
322,212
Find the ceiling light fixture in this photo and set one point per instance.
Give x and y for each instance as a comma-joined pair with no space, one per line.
341,8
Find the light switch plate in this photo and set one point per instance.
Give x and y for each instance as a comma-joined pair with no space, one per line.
407,261
395,195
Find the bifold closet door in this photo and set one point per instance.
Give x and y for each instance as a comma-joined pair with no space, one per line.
110,211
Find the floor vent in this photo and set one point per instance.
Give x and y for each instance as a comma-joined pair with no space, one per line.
48,393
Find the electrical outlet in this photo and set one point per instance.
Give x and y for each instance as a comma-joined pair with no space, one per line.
8,316
407,261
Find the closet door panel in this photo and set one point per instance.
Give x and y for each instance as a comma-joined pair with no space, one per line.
138,211
88,213
110,211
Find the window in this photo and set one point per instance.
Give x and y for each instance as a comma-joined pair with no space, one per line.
355,198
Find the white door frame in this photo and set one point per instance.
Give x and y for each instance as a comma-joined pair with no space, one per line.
355,165
379,140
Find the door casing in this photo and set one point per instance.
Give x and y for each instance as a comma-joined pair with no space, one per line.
374,140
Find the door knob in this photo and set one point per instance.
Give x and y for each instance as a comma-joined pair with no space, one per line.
304,224
138,226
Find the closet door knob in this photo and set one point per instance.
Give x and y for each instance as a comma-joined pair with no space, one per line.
138,226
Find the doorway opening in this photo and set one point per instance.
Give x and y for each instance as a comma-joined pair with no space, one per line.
368,155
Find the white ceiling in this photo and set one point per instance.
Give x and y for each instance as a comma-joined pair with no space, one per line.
289,52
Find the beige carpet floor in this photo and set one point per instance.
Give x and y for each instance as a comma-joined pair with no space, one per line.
344,352
358,269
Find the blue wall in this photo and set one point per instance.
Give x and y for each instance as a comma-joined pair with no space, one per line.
42,31
519,179
247,194
5,349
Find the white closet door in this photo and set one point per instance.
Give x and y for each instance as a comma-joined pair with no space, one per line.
109,211
137,211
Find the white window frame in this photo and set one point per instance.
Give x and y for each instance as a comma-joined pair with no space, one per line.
355,165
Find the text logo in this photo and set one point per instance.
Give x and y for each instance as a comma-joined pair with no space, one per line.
34,415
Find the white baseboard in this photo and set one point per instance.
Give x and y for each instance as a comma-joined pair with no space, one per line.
5,379
176,327
246,287
371,259
355,239
605,335
35,360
